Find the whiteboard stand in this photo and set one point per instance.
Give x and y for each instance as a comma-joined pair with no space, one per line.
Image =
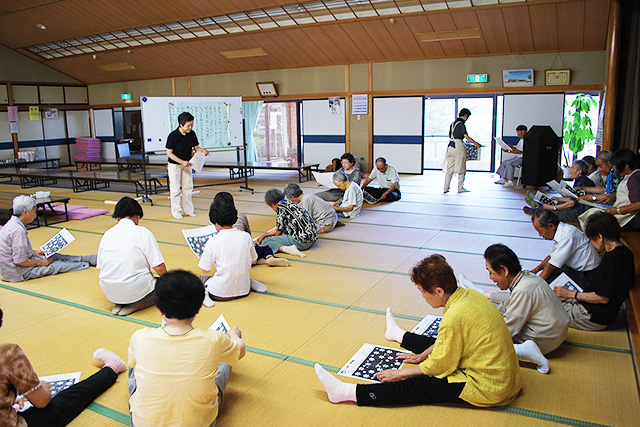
146,195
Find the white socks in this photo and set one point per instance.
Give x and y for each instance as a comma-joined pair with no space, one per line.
208,302
257,286
277,262
529,352
393,332
337,391
292,250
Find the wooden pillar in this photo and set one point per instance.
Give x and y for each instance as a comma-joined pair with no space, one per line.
14,136
347,108
189,85
173,86
612,76
370,89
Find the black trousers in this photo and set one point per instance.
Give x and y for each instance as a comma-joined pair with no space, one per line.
378,192
417,390
68,404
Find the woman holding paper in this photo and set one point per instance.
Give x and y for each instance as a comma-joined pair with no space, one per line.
180,144
351,169
474,362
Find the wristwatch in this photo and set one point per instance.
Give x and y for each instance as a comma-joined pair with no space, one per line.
594,197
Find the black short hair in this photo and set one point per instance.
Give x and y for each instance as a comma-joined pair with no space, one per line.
184,118
602,224
292,190
521,127
350,157
0,316
545,217
623,158
583,166
127,208
591,161
381,159
273,196
464,112
222,210
499,256
179,294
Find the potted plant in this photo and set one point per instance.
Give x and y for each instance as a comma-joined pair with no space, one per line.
577,127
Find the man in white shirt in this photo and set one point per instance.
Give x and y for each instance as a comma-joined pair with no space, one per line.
321,211
572,253
507,167
126,255
351,203
387,177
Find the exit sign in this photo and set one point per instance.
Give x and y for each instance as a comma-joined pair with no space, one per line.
125,96
477,78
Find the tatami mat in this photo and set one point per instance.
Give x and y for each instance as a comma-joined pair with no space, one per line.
322,308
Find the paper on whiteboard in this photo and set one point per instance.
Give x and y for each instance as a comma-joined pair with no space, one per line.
502,144
58,383
197,162
221,325
325,179
428,326
197,237
464,282
369,360
565,281
57,243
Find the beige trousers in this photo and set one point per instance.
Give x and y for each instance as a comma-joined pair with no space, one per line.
180,189
456,163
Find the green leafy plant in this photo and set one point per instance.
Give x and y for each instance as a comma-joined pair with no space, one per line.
577,124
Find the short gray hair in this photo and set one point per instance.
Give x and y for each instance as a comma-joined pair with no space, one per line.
292,190
339,176
273,196
23,203
605,155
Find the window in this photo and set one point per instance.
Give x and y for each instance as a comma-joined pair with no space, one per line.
276,133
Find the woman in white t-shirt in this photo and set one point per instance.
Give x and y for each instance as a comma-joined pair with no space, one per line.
351,203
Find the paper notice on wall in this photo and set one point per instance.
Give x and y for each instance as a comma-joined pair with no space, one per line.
50,113
34,114
360,104
334,105
13,114
14,127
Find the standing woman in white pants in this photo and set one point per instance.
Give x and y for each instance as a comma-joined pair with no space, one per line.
456,152
180,145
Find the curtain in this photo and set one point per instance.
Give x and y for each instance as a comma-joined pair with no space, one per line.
627,130
250,113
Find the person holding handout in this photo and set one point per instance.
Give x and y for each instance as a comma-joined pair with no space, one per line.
180,145
508,166
456,151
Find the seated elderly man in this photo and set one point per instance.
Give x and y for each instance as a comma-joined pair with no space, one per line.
18,261
351,202
602,295
387,177
605,194
321,211
295,230
508,167
571,253
127,253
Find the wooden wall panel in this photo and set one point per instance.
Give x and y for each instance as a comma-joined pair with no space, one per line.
570,25
465,21
405,39
383,39
544,26
493,30
339,37
596,23
444,22
332,50
360,37
420,24
518,26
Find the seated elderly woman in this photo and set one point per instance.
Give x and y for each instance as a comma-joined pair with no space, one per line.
626,205
473,360
18,261
350,204
126,254
19,383
295,230
351,169
532,312
321,212
597,305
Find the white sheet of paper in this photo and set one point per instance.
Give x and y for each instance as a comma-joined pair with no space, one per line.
428,326
565,190
566,282
197,237
57,243
502,144
356,366
325,179
221,325
197,162
58,383
464,282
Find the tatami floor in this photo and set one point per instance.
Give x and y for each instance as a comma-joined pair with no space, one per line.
322,309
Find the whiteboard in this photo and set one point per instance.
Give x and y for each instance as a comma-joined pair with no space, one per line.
533,109
217,121
318,120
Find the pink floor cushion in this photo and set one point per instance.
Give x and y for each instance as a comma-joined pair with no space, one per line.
60,208
85,213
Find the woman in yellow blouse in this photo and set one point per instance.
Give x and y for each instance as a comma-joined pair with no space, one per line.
472,360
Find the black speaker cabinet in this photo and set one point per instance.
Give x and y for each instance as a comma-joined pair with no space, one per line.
540,156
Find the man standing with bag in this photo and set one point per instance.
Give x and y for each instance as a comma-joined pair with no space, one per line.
456,151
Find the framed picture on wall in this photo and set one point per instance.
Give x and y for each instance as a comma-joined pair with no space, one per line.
267,89
517,78
557,77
